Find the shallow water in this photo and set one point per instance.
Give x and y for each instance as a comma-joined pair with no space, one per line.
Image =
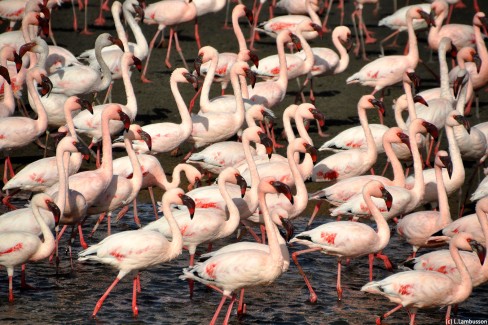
70,296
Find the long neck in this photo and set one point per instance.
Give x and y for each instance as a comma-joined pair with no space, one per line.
274,245
238,32
287,115
186,122
481,209
313,15
413,50
309,60
176,176
136,179
251,194
207,83
129,89
177,239
444,70
106,77
119,28
372,153
418,189
46,247
412,113
344,56
107,163
240,110
381,224
434,31
142,46
63,188
301,198
234,216
41,122
458,171
398,175
465,287
399,118
302,130
462,99
481,48
445,212
69,121
8,94
283,75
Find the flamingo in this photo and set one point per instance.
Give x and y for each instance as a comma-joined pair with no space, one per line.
18,37
139,249
12,10
326,19
347,239
7,54
441,261
427,289
358,12
18,247
416,228
208,224
168,136
204,7
18,131
358,160
388,70
244,268
168,13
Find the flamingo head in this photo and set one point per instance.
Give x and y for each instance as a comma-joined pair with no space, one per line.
242,183
43,20
289,228
378,104
4,73
192,79
142,3
319,116
137,62
347,42
318,29
267,114
146,137
463,121
387,197
124,118
482,18
414,78
420,99
296,41
46,85
431,129
197,182
282,188
81,148
429,18
404,138
444,161
189,203
139,9
461,80
311,150
17,61
476,59
479,249
266,142
251,75
84,104
116,41
249,15
254,58
51,206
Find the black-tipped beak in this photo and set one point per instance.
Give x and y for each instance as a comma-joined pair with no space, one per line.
479,249
457,86
404,138
191,79
415,79
249,15
58,135
26,48
125,119
312,151
198,64
254,58
432,129
348,43
4,73
18,62
137,63
429,18
82,148
55,211
283,189
464,121
267,143
251,76
197,183
318,29
447,162
189,203
84,104
44,22
242,184
477,61
388,198
139,11
290,229
319,116
147,138
267,115
421,100
117,41
46,86
378,104
296,41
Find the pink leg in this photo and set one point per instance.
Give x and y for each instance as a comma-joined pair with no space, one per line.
180,51
122,213
85,30
197,35
229,310
23,283
314,213
476,6
385,260
313,295
448,314
263,234
217,312
191,283
105,295
135,310
168,52
6,200
153,201
370,263
326,19
82,239
241,309
412,318
338,285
109,223
151,46
100,21
137,221
10,289
75,19
253,30
378,321
105,6
193,100
100,219
272,5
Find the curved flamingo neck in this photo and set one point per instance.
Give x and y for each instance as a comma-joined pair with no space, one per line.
481,209
241,40
46,246
413,50
398,115
481,48
461,102
398,175
382,226
41,122
207,82
233,217
252,193
141,42
301,197
283,75
412,113
176,176
176,244
434,31
464,287
129,89
458,171
8,94
372,152
343,55
119,28
106,77
309,58
107,163
136,180
313,15
418,189
301,129
63,186
240,110
186,122
288,114
444,210
444,71
69,119
27,21
274,245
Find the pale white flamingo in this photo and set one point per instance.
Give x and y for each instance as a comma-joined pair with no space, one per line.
168,136
244,268
208,224
405,200
80,79
295,7
427,289
12,10
348,239
18,37
18,247
139,249
16,131
441,261
352,162
8,54
416,228
167,13
388,70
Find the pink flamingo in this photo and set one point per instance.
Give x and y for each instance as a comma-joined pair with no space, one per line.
168,136
18,37
427,289
18,247
231,271
168,13
441,261
18,131
358,12
358,161
12,10
8,54
416,228
204,7
139,249
347,239
388,70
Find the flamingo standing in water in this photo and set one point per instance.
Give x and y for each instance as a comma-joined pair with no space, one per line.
244,268
347,239
18,247
134,250
427,289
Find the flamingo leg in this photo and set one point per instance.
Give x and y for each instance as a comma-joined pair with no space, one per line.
151,46
217,312
338,285
386,261
384,316
10,272
23,282
272,5
85,30
109,223
82,239
412,318
313,295
153,201
135,310
341,7
191,283
370,263
122,213
108,94
168,51
105,295
227,10
193,100
137,221
197,35
448,314
229,310
180,51
241,309
395,33
6,200
75,19
139,283
314,213
326,19
100,21
100,219
253,29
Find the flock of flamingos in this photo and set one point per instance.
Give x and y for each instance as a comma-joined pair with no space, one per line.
255,187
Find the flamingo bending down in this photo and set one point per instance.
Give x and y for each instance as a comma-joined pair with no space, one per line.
138,249
347,239
427,289
244,268
18,247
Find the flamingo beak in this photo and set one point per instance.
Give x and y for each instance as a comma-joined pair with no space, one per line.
242,184
404,138
290,229
415,79
18,61
26,48
312,151
319,116
198,64
252,77
254,58
191,79
266,141
139,11
296,41
147,138
125,119
387,197
446,160
137,63
479,249
82,148
4,73
249,15
421,100
477,61
54,210
85,104
283,189
117,41
142,3
267,115
318,29
457,86
189,203
197,183
378,104
46,86
464,121
348,43
454,51
432,129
